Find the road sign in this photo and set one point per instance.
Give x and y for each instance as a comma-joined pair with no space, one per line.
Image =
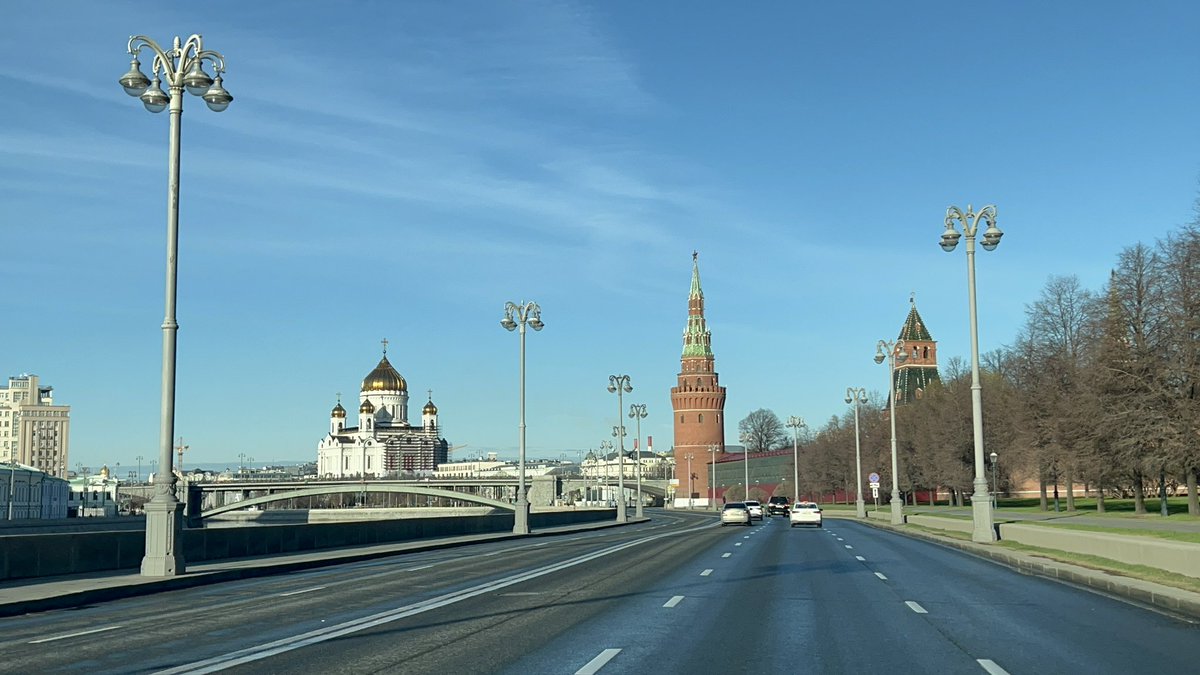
874,493
874,477
874,486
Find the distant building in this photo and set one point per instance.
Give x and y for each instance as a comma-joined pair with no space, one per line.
919,369
94,496
31,494
33,430
697,401
383,443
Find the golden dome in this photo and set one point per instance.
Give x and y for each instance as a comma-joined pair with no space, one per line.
338,411
384,378
366,407
429,409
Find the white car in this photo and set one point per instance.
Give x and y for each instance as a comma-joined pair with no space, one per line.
805,513
735,513
756,509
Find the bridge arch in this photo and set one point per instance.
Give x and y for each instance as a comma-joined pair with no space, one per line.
357,489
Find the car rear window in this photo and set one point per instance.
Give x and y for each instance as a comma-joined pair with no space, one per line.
735,505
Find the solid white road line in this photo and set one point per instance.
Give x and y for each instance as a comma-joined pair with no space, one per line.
915,607
706,573
305,590
991,666
675,600
880,575
599,662
414,569
726,555
859,558
71,635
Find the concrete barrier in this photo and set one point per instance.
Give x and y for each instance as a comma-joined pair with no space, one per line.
1172,556
942,523
41,555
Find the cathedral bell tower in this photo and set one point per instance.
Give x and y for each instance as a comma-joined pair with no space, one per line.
698,401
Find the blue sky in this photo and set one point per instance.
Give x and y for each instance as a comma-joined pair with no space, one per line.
401,170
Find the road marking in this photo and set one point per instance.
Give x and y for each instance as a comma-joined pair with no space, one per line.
991,666
746,537
849,546
859,558
706,573
726,555
840,539
71,635
414,569
880,575
334,631
599,662
738,544
915,607
675,600
305,590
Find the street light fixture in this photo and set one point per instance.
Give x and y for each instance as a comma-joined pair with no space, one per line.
619,384
638,412
995,484
893,352
796,423
857,396
182,67
984,529
526,313
605,447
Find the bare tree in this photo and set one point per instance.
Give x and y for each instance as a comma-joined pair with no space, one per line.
761,431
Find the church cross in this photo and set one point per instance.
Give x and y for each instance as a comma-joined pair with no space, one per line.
385,343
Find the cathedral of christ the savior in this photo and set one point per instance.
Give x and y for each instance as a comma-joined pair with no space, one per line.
384,443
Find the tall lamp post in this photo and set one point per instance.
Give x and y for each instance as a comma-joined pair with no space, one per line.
893,352
525,313
619,384
182,67
691,480
605,447
995,485
746,464
712,484
984,529
796,423
638,412
139,474
857,396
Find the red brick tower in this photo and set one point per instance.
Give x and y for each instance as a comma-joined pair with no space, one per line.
698,400
920,370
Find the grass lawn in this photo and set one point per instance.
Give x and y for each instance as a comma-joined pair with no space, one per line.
1097,563
1188,537
1116,508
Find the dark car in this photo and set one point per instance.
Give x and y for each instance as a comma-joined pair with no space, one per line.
778,506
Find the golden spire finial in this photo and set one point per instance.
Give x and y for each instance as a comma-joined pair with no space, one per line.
385,344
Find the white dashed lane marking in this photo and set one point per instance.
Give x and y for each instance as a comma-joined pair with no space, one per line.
71,635
726,555
675,600
303,590
880,575
706,573
849,546
738,544
859,558
991,666
597,663
915,607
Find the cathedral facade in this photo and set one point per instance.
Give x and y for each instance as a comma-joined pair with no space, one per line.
698,402
384,443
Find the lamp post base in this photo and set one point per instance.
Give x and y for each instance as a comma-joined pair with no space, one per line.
983,530
521,516
639,512
897,510
860,508
164,533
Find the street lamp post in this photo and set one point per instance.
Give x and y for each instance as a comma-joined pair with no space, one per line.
893,351
182,67
691,481
746,465
984,529
857,396
526,313
139,473
638,412
619,384
605,447
796,423
995,484
362,473
712,483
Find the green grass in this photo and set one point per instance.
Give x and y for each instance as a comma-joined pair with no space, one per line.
1188,537
952,534
1118,508
1104,564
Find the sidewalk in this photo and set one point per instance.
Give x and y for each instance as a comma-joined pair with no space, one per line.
23,596
1155,595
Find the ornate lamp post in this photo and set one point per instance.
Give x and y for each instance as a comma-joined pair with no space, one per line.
745,439
605,447
857,396
691,481
182,67
995,484
893,352
796,423
984,529
638,412
618,384
526,313
712,483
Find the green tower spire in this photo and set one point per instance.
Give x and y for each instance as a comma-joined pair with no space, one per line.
697,339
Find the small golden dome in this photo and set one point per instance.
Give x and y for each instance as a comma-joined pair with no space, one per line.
366,407
429,409
338,411
384,378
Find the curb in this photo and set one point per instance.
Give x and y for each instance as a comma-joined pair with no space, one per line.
1158,596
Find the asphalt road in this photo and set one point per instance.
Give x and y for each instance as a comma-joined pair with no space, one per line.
677,595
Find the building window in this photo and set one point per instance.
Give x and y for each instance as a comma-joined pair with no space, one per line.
701,416
681,419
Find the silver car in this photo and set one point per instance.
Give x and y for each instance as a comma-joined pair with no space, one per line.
735,513
756,509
